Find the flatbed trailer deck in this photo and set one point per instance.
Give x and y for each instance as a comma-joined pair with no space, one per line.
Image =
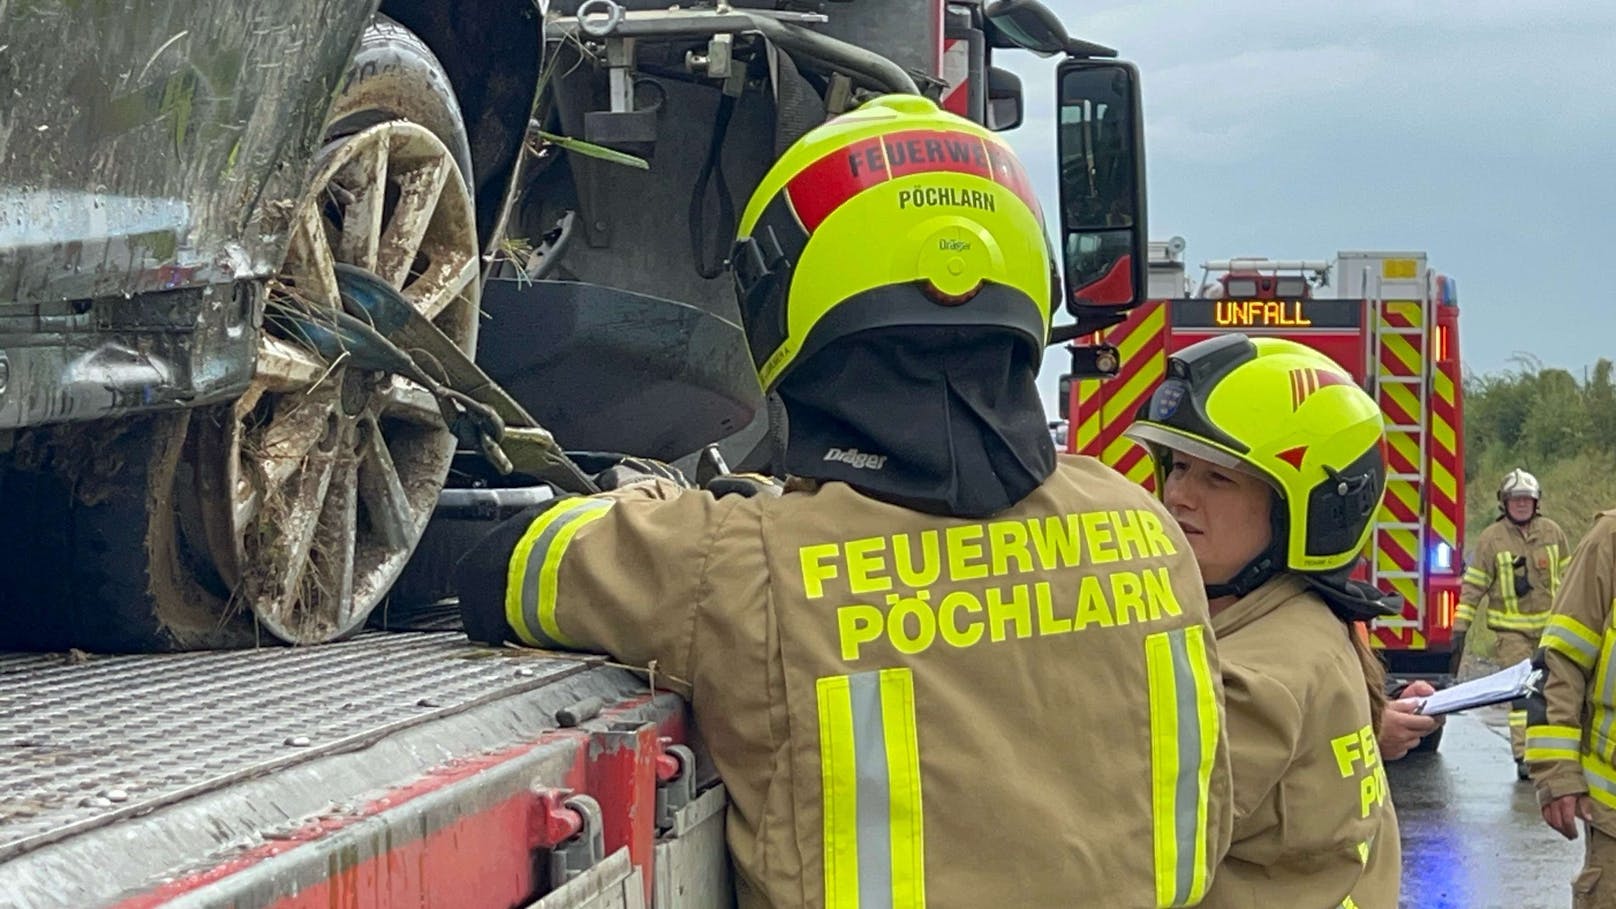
391,769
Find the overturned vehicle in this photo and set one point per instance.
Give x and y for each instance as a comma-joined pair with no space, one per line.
279,281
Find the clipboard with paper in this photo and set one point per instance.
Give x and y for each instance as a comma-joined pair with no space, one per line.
1517,681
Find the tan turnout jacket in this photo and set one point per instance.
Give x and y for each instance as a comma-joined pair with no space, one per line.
1537,552
915,710
1572,747
1314,825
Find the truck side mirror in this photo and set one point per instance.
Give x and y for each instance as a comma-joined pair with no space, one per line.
1004,99
1104,242
1026,24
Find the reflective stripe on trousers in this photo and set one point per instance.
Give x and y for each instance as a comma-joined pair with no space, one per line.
1184,726
870,771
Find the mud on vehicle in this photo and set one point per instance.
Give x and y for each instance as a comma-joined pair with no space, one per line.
273,275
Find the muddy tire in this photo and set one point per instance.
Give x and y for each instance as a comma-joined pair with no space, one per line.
151,533
101,564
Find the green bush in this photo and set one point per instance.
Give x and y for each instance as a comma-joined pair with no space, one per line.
1550,423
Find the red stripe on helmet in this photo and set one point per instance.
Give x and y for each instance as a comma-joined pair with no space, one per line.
1007,171
823,186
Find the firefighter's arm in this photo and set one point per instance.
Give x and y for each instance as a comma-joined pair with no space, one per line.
619,573
1265,726
1569,650
1478,579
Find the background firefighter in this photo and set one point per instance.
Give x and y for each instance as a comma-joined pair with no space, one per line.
1276,490
1516,568
938,623
1571,746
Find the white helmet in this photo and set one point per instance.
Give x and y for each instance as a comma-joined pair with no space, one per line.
1519,483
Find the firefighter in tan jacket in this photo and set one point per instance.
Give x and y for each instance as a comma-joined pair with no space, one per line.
1270,458
1571,745
1518,562
944,667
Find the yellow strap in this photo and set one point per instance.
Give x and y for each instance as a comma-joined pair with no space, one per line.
1184,729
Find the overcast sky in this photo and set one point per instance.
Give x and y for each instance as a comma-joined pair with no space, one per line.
1481,132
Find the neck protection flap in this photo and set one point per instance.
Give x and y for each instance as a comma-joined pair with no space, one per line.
941,420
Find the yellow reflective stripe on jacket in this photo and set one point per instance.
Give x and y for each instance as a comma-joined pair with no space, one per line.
1465,614
1517,621
1348,904
1601,780
1554,569
1183,745
1601,693
869,759
530,581
1474,575
1553,743
1506,583
1569,637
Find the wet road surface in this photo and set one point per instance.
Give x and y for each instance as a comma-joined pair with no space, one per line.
1472,835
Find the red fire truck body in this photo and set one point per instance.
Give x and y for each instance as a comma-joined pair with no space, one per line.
1393,324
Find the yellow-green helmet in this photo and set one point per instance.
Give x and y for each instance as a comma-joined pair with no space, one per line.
894,214
1287,414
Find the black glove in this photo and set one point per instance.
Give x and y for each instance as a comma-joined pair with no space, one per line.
631,470
744,484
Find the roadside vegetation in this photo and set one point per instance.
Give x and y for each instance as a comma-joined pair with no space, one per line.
1557,425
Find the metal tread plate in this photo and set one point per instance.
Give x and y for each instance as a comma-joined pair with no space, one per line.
87,741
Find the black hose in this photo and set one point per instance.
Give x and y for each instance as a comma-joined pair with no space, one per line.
713,167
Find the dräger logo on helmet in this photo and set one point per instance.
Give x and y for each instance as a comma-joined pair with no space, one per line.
855,458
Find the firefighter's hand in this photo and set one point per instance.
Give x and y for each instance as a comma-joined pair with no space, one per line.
1400,727
744,484
631,470
1562,814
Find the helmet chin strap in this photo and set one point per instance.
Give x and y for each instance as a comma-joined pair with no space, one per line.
1254,575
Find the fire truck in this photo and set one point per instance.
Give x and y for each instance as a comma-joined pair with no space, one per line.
298,298
1392,322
